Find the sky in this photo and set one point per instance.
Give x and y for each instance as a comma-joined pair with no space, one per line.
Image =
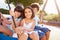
5,6
50,7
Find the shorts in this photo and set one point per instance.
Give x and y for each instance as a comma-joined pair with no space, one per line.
40,33
42,29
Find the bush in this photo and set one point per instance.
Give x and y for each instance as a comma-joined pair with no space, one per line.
4,11
57,18
52,17
45,14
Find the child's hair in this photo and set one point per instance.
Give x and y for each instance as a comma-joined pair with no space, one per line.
19,9
35,5
20,4
31,10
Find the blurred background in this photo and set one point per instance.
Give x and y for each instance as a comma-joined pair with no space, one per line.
51,9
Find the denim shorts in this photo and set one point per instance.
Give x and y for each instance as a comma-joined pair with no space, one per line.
40,33
42,29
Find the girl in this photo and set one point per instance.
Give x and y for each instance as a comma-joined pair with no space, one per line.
28,24
17,18
18,11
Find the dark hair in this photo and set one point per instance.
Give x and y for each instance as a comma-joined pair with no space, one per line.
19,9
35,6
20,4
31,10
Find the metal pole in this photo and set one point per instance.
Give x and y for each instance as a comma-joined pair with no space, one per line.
9,4
12,16
57,7
42,14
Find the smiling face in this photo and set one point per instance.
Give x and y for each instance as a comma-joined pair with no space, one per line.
28,13
17,14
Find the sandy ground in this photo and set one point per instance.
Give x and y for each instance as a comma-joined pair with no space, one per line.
55,32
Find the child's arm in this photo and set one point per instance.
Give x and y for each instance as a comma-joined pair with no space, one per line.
13,19
33,25
41,18
13,26
6,30
18,23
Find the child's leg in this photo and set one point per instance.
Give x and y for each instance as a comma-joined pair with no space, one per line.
43,38
41,35
47,35
34,36
23,36
47,32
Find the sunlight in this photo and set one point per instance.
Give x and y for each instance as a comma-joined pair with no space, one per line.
2,1
51,7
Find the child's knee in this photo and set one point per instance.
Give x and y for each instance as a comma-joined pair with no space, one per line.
48,32
35,34
23,36
26,35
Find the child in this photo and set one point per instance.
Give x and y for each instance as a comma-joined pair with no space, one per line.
28,24
17,18
18,11
35,7
5,32
4,28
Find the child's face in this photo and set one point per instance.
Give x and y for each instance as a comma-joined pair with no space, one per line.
35,10
28,13
17,14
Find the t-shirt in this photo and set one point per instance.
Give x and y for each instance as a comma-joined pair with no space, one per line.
16,20
36,19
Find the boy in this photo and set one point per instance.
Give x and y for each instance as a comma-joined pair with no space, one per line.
35,7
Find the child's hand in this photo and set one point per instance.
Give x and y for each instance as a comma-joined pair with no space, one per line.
18,31
11,13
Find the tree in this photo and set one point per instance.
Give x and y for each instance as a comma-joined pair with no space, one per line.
4,11
24,2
